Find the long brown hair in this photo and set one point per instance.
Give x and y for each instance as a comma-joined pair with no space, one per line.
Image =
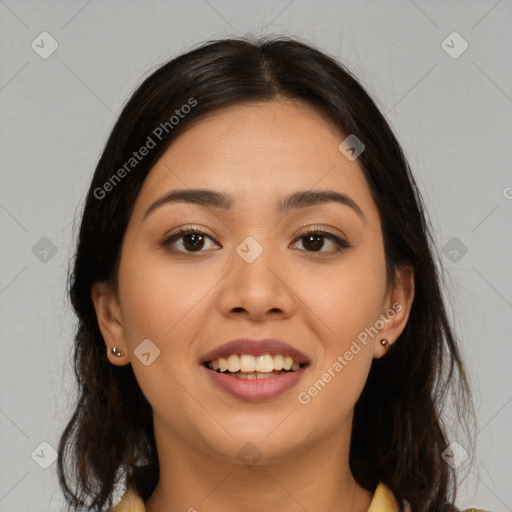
398,435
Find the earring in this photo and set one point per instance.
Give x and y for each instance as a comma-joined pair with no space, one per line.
117,352
385,343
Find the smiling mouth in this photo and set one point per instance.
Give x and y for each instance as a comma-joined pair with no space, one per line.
249,367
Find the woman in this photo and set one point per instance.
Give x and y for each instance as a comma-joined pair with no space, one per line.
261,323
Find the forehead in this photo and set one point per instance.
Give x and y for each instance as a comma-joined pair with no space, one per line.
257,152
275,130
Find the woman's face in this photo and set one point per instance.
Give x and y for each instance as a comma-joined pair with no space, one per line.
255,274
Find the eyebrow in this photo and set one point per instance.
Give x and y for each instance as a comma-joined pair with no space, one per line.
214,199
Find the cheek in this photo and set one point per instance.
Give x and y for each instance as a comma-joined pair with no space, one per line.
331,392
347,302
162,303
167,303
346,298
160,297
352,301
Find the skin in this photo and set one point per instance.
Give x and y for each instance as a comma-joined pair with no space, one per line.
188,303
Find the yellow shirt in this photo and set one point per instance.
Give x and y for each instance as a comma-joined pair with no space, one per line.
383,501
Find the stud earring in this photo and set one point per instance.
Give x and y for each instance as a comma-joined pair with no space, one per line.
117,352
385,343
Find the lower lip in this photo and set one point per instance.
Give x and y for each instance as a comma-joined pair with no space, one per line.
256,389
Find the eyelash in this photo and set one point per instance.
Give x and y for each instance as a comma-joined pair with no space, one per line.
182,231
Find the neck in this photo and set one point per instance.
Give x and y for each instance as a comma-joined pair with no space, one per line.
316,477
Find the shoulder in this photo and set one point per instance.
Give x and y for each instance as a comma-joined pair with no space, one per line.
385,501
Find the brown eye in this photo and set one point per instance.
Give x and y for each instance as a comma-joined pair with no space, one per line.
314,241
189,240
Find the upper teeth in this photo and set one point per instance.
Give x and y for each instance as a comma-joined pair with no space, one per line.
247,363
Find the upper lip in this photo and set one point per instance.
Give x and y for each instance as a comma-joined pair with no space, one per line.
255,348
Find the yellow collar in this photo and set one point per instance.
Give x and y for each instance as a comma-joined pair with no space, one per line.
383,501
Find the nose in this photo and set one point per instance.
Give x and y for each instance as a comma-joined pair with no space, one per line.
258,290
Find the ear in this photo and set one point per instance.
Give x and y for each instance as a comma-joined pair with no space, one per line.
396,308
108,315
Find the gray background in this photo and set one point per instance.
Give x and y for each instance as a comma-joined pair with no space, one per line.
452,116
